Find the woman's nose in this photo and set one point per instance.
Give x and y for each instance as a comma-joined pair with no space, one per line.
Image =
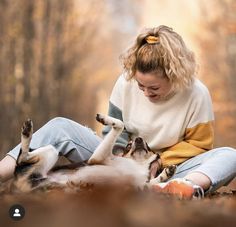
146,92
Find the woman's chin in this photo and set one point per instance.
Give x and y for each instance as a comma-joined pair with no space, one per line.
159,98
154,99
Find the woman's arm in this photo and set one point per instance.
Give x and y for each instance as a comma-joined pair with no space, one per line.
198,135
123,139
196,141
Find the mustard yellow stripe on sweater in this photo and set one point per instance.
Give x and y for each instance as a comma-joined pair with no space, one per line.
196,141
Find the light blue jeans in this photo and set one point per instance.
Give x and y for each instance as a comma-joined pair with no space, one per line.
77,143
72,140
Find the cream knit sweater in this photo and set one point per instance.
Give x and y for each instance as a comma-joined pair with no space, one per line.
178,128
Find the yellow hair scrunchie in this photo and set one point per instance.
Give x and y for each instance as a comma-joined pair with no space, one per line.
152,39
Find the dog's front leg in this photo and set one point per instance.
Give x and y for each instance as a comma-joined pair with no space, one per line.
166,174
104,149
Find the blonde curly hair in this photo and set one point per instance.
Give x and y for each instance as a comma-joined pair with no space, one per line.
161,48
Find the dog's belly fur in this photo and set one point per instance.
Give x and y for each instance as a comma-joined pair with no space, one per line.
116,171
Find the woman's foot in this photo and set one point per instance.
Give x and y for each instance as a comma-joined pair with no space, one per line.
180,188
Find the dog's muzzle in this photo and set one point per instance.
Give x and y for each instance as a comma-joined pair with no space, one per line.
140,145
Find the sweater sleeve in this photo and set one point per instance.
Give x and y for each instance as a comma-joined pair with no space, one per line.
198,134
196,141
115,110
123,139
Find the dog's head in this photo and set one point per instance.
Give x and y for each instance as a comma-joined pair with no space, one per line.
138,150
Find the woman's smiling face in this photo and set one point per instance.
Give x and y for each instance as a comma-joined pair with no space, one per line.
155,86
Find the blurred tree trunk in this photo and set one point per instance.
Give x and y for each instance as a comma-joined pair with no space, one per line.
217,41
28,52
43,93
58,67
2,32
53,55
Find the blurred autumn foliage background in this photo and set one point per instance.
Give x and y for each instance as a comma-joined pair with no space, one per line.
61,58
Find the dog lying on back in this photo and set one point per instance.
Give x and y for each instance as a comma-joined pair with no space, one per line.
36,169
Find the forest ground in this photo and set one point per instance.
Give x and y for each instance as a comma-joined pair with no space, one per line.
118,207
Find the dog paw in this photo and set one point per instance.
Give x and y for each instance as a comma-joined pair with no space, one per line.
107,120
101,118
170,170
27,128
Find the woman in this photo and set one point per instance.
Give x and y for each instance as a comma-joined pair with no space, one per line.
158,98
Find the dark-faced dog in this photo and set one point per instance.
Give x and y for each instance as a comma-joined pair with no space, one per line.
36,169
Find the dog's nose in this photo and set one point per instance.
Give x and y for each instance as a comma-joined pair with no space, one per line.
138,140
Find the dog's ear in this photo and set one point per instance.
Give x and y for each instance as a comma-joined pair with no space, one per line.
128,147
